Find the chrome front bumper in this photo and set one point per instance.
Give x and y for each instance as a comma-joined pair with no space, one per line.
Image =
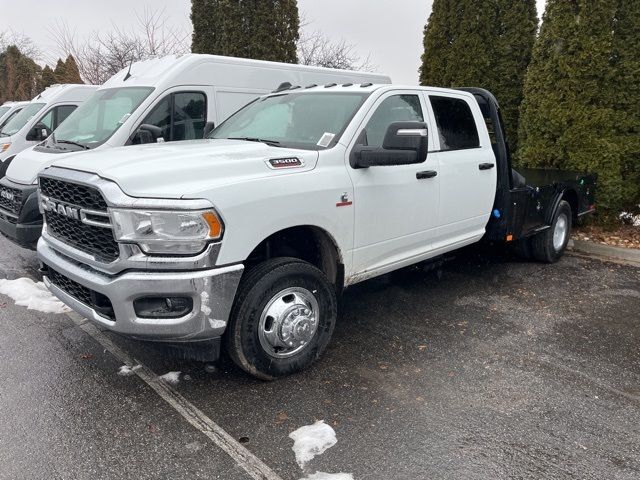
212,291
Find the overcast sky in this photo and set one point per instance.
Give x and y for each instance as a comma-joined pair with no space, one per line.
390,31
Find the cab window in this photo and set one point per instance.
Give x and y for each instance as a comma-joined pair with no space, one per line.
181,116
456,125
56,116
397,108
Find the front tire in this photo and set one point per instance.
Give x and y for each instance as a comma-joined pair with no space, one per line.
282,319
549,246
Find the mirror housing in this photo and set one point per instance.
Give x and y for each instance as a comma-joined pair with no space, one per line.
147,133
405,143
208,128
38,133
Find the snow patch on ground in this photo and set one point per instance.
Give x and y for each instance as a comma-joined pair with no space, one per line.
312,440
631,218
172,377
127,371
329,476
33,295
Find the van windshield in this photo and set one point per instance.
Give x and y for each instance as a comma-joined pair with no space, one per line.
4,110
306,120
97,119
20,120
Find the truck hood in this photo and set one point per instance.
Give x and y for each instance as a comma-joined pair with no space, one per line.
25,167
180,169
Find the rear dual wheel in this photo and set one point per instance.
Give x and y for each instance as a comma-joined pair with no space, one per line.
550,245
282,319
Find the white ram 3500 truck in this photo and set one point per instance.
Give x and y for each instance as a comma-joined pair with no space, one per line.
247,238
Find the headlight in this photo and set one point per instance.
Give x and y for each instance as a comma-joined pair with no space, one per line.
167,232
4,147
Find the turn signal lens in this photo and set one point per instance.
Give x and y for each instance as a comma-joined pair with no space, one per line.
4,147
215,226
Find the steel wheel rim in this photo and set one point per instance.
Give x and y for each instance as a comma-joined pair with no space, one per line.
560,232
288,322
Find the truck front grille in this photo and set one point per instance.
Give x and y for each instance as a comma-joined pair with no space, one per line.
95,240
10,199
95,300
73,193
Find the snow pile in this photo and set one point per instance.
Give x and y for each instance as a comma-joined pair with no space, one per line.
33,295
329,476
312,440
631,218
127,371
172,377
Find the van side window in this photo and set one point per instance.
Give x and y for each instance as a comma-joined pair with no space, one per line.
397,108
56,116
456,125
189,116
181,116
160,116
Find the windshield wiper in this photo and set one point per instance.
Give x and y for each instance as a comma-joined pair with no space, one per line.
2,134
71,142
253,139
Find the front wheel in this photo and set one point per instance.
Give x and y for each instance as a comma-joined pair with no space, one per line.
282,319
549,246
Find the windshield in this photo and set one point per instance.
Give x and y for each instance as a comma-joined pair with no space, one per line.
21,119
309,120
4,110
97,119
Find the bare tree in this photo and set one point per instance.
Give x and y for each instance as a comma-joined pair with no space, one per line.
103,54
315,48
20,40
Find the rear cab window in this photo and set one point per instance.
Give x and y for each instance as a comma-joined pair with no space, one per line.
456,125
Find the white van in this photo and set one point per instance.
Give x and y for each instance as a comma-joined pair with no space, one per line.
165,99
8,110
39,118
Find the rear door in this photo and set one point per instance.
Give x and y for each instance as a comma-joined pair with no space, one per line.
467,170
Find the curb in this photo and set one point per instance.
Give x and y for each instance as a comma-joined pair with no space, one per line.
627,254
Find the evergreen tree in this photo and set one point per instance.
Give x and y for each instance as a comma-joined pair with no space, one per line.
517,30
47,78
623,86
486,44
260,29
60,71
72,74
19,76
574,114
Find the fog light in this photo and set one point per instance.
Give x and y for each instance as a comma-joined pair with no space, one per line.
163,307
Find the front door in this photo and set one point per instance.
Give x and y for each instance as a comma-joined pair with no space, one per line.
395,207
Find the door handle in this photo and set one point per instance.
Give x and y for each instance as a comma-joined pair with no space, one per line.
486,166
426,174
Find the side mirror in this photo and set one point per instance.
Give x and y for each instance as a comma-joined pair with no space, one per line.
38,133
147,133
405,143
208,128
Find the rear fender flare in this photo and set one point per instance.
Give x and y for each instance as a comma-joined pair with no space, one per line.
556,204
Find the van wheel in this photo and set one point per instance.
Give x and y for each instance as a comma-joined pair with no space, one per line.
549,246
282,318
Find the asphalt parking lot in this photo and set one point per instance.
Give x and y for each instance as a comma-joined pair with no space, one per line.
489,368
